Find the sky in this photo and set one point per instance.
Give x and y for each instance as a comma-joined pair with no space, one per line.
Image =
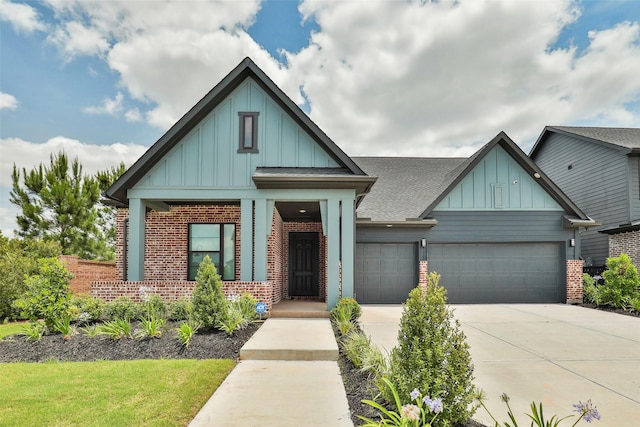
104,79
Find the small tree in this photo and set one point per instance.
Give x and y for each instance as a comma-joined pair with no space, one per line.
209,301
47,296
432,355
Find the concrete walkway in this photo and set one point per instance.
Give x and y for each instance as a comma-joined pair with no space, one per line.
555,354
287,376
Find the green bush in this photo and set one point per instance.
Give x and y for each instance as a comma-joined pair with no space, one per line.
209,303
153,306
241,311
621,282
47,295
432,355
347,305
84,308
121,308
180,309
18,259
590,290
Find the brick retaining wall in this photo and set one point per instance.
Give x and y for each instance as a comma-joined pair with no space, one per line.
85,272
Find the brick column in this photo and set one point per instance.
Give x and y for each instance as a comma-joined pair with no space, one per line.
574,281
423,270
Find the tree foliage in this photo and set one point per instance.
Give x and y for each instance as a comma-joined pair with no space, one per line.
432,355
209,302
60,203
18,259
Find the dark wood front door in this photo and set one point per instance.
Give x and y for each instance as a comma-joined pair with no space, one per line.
303,264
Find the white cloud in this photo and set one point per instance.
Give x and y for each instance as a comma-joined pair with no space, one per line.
441,78
25,154
22,17
8,102
110,107
75,39
133,115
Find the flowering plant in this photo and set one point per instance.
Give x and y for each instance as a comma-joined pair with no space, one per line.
586,410
421,413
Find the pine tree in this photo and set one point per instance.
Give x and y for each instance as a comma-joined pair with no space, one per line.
60,204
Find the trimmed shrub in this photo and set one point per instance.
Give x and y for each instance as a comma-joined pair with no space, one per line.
432,355
209,303
153,306
621,282
84,308
180,309
47,296
121,308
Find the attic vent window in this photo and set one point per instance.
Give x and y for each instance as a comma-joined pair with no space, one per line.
248,132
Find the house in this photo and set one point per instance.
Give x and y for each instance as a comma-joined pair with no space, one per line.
599,169
248,179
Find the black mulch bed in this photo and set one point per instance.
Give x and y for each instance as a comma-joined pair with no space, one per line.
611,309
81,348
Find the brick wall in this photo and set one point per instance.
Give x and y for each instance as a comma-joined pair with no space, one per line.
85,272
626,243
166,238
423,270
574,281
172,290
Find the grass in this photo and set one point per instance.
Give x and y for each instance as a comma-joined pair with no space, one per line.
7,329
113,393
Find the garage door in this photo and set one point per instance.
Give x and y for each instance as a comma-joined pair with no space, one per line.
385,272
500,272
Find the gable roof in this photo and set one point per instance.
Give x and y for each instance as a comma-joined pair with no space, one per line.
413,187
626,138
246,69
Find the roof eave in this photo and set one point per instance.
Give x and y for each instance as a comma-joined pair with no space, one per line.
361,184
409,223
570,222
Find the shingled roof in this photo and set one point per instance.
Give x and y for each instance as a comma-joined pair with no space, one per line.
621,137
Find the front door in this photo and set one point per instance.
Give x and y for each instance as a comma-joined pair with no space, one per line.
303,264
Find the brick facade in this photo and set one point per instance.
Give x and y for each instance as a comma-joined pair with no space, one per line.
172,290
626,243
423,270
86,272
574,281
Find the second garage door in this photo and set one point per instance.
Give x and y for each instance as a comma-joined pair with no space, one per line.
385,272
500,272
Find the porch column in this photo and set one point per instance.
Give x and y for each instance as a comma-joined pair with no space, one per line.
260,251
246,240
333,251
348,248
135,249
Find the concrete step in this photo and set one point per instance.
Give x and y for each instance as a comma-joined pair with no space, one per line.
292,339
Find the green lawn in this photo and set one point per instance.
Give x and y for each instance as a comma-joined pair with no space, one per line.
10,329
108,393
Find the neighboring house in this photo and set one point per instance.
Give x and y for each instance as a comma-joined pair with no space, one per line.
599,169
248,179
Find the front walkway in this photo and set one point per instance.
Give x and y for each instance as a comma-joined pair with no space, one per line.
555,354
287,376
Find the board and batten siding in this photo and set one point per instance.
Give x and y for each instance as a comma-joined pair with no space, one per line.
208,156
498,182
598,182
634,187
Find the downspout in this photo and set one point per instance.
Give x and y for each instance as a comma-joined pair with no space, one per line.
125,232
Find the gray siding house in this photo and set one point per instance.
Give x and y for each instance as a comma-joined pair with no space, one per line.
246,178
599,169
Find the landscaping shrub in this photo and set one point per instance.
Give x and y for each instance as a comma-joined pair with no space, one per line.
209,303
432,355
186,330
47,295
84,308
117,328
241,311
18,259
180,309
621,282
347,305
153,306
121,308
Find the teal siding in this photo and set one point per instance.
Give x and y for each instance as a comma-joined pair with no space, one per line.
207,156
498,182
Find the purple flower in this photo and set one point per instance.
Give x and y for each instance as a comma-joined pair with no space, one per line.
414,394
587,410
434,405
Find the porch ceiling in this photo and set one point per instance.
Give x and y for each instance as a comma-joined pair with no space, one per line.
299,211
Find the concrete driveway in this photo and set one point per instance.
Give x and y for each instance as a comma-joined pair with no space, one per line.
555,354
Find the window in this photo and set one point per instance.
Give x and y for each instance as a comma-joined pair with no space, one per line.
248,132
216,240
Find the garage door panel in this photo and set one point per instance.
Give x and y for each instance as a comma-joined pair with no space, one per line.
499,273
387,273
